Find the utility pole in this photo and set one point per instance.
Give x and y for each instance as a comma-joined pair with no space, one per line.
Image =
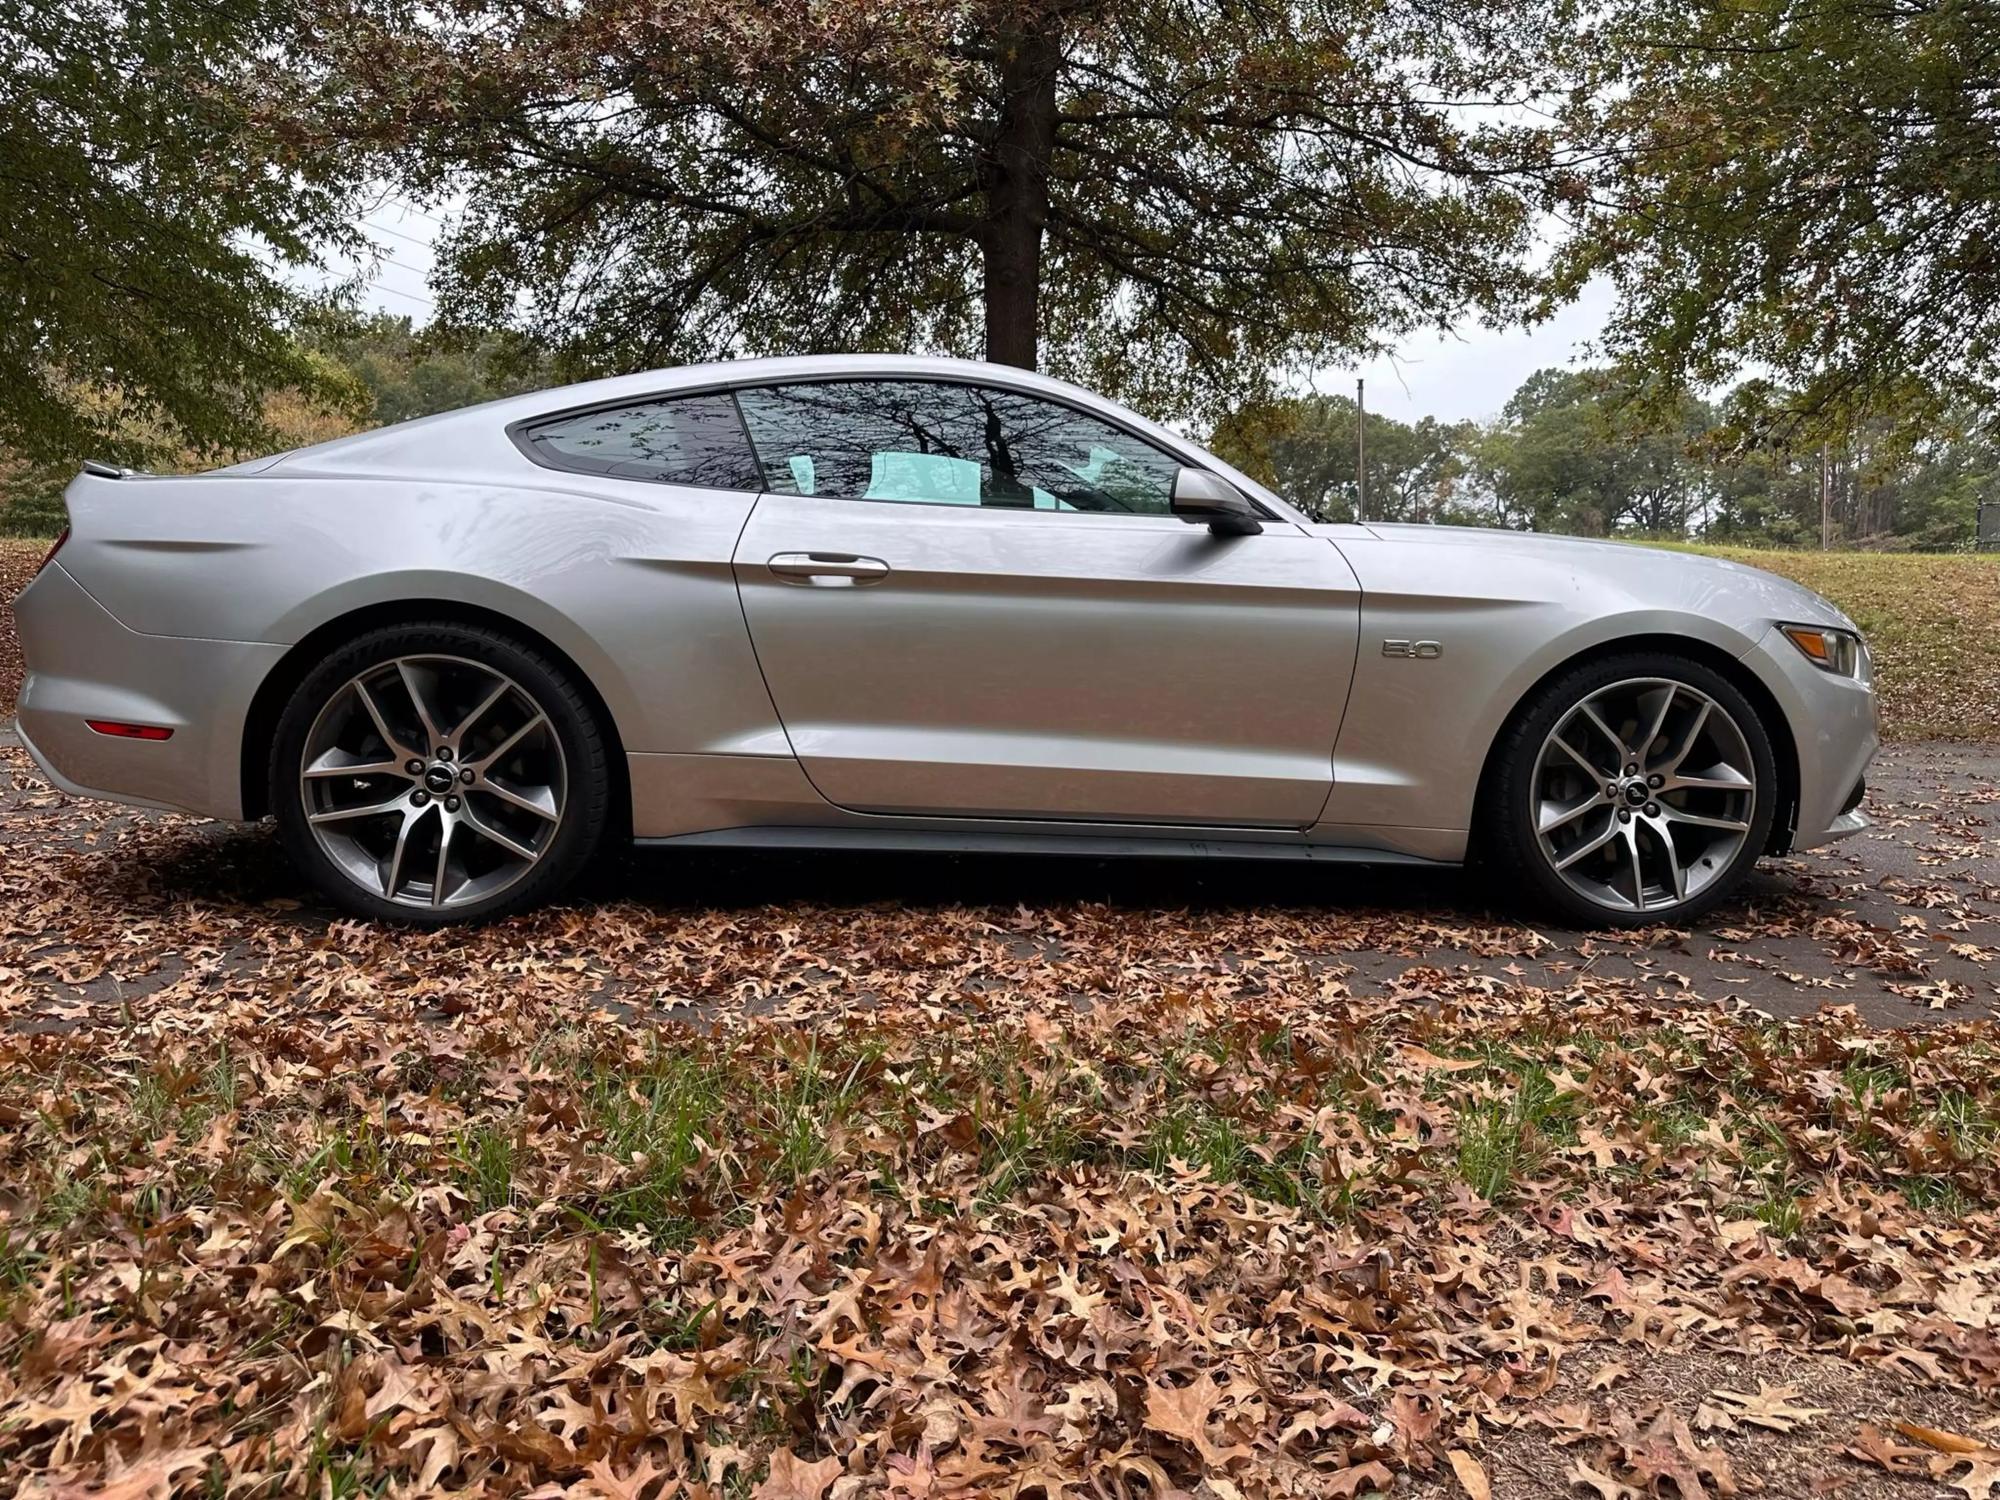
1360,452
1825,500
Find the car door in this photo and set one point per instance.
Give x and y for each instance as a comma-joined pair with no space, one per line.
972,600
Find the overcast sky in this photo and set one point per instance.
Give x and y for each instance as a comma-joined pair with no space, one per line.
1469,374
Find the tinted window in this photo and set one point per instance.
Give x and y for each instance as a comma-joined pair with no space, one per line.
684,440
944,444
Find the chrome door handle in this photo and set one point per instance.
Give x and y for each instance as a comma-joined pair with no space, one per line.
809,567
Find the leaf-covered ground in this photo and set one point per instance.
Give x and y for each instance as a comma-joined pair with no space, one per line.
854,1178
851,1178
17,566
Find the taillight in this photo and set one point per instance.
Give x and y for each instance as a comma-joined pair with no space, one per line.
61,537
119,730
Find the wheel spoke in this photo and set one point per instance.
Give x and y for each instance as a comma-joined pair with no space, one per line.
1688,740
1645,746
417,702
396,746
1731,780
445,828
494,757
1676,875
372,810
328,765
394,878
1562,817
493,835
1590,846
542,805
1596,773
464,725
1589,711
1638,869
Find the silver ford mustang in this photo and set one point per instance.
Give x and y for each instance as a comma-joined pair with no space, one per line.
909,604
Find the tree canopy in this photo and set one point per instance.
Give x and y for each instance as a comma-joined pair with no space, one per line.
1809,189
1304,448
1167,199
145,227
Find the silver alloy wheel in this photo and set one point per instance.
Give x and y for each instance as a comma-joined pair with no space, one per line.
1644,793
433,781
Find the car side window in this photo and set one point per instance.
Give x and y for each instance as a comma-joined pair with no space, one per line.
941,443
695,440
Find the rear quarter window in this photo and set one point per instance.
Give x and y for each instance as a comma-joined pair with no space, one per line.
694,440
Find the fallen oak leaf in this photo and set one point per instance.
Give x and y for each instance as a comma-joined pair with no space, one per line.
601,1479
1981,1479
1183,1412
1771,1408
1471,1477
1343,1484
1938,1438
1583,1476
792,1478
1872,1445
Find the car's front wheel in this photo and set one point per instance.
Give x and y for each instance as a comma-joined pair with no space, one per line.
437,773
1634,790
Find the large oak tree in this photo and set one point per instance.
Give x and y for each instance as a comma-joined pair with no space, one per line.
1168,198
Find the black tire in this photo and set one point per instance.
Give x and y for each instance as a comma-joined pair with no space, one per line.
586,811
1509,843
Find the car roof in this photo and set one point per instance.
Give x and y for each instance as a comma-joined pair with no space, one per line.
456,442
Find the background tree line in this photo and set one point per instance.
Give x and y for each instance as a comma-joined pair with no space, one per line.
1188,204
1576,451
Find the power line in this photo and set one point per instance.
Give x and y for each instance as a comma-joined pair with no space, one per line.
383,286
385,229
411,208
391,260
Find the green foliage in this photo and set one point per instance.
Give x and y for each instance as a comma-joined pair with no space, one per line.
1572,453
147,227
1813,189
1164,199
402,373
1304,448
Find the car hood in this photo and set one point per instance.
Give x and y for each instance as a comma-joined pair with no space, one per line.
1639,569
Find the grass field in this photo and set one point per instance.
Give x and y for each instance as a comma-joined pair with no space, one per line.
1933,620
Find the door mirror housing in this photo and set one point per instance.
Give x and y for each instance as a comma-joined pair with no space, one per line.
1205,499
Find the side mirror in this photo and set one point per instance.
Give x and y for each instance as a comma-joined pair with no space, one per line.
1205,499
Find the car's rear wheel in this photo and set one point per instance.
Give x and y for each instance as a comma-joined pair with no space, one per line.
1634,790
436,773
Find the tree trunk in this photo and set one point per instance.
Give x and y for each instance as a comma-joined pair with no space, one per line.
1016,170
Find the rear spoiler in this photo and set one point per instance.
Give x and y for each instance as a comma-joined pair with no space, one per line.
106,471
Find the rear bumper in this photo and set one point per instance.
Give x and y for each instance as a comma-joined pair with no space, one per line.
84,664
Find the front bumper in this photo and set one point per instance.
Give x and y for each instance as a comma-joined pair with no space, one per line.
1834,731
84,664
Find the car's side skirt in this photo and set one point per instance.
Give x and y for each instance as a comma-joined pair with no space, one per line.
996,841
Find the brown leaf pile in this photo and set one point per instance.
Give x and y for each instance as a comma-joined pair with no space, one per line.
798,1200
18,560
